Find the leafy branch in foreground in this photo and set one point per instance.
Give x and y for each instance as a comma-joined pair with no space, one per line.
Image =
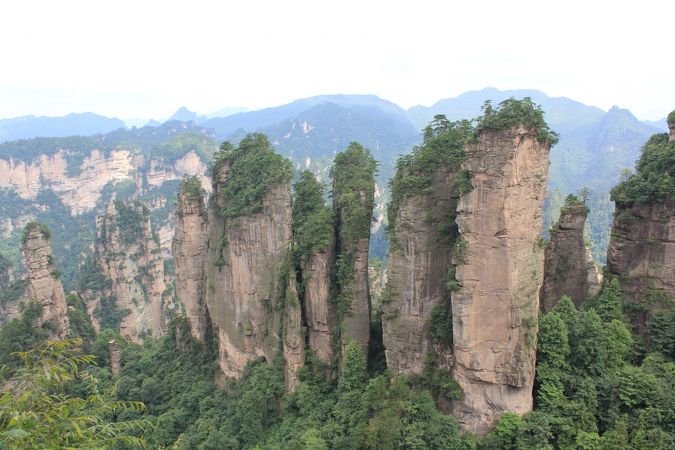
36,411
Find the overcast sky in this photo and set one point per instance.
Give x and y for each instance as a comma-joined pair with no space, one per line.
143,59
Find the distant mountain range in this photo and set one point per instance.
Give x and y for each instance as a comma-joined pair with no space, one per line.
75,124
595,145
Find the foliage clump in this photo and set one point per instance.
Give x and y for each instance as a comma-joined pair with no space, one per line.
192,187
573,202
312,218
31,226
38,411
181,144
511,113
654,179
592,389
20,334
130,221
254,169
671,117
443,147
353,174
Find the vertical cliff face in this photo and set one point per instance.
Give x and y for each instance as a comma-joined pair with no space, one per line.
129,256
319,310
568,264
642,245
499,269
115,357
293,341
249,240
353,201
43,284
642,253
190,255
314,259
11,292
419,259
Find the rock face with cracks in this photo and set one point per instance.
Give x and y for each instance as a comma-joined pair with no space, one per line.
642,245
190,256
642,253
319,310
500,270
129,256
417,272
44,286
568,264
246,255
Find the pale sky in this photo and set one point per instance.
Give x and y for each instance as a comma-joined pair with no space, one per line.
143,59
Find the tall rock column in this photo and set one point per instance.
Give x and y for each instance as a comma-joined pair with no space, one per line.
417,271
129,256
353,200
44,285
314,256
249,241
190,254
500,269
568,264
642,243
416,309
293,342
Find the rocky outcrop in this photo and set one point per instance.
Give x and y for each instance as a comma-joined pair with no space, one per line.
246,255
44,286
115,357
190,255
500,270
642,253
568,264
81,189
293,341
419,260
319,310
188,165
353,202
642,244
129,256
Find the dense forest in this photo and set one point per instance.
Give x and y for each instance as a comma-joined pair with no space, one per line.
601,383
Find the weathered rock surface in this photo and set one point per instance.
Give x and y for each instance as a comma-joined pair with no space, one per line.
293,342
245,259
190,256
642,253
319,311
568,264
356,323
130,258
500,270
44,286
115,357
417,271
81,192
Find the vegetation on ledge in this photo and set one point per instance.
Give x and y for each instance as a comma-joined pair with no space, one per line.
255,168
574,204
511,113
312,219
192,187
443,147
30,226
654,179
353,174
